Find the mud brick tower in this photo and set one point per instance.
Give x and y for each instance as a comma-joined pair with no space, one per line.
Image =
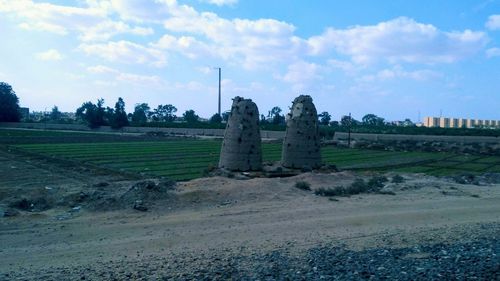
301,146
241,148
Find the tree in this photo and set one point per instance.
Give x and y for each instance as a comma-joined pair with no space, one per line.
225,115
9,104
190,116
55,114
92,114
215,119
164,113
324,118
141,112
372,120
119,118
263,119
275,115
408,123
346,121
335,123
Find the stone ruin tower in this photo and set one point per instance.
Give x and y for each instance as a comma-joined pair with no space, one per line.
241,148
301,146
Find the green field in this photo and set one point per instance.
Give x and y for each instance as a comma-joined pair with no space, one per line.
184,159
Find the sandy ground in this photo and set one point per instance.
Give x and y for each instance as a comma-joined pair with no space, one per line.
210,215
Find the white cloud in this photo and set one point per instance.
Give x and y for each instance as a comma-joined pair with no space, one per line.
493,22
107,29
302,75
251,43
105,83
125,52
301,71
221,2
186,45
190,86
399,40
50,17
138,79
48,55
98,69
204,69
346,66
142,10
123,76
44,26
398,72
91,22
493,52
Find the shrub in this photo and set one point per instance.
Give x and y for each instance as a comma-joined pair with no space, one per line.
398,179
328,192
467,178
377,182
208,170
303,185
358,186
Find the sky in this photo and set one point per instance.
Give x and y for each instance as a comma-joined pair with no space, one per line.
397,59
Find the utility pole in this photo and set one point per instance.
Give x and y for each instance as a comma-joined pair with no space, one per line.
349,132
219,88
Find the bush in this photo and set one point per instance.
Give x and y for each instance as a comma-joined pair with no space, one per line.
358,186
377,182
398,179
328,192
303,185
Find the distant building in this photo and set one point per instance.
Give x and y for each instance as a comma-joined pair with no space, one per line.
25,113
431,122
445,122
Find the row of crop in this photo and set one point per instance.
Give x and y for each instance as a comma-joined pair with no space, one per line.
37,133
124,150
133,154
183,160
118,145
165,163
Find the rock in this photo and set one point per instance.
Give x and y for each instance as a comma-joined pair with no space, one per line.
147,184
387,190
139,206
101,184
8,212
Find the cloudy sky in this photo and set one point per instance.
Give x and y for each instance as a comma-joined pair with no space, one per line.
393,58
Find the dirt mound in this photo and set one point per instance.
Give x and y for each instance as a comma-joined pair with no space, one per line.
102,196
127,195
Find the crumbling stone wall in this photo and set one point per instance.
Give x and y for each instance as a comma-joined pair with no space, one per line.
301,146
241,148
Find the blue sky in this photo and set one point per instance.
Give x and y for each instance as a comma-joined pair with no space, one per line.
396,59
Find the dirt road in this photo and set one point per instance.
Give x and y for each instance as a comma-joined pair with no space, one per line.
205,218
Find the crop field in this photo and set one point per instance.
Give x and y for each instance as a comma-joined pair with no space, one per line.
187,158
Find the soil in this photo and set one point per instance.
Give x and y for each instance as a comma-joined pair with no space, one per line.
68,222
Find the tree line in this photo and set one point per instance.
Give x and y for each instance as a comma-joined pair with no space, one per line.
96,115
